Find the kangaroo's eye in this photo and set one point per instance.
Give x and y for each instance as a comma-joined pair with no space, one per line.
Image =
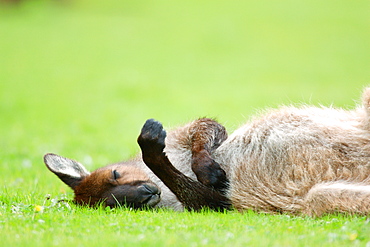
115,175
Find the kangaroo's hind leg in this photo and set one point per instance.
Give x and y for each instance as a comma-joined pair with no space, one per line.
338,197
193,194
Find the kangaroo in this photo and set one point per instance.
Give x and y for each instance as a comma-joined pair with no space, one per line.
296,160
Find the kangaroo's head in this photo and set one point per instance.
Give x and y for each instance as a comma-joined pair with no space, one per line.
114,185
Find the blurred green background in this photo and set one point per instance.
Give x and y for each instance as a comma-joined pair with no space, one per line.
79,78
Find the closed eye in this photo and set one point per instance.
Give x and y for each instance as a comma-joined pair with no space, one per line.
115,175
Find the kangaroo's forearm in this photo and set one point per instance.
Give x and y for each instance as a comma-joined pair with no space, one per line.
193,194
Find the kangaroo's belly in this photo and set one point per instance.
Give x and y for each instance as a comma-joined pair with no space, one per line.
274,161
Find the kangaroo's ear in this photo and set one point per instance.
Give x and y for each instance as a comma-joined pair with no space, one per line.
69,171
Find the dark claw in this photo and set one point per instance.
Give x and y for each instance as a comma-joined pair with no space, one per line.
152,136
218,178
209,172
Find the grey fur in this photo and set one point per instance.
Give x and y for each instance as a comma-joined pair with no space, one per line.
301,160
296,160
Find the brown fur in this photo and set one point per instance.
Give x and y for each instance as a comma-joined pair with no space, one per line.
94,186
304,160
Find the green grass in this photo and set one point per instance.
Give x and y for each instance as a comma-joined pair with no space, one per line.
79,78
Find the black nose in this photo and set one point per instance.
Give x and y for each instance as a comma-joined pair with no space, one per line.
149,194
150,189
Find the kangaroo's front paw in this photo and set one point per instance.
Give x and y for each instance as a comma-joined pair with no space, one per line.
152,137
208,171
